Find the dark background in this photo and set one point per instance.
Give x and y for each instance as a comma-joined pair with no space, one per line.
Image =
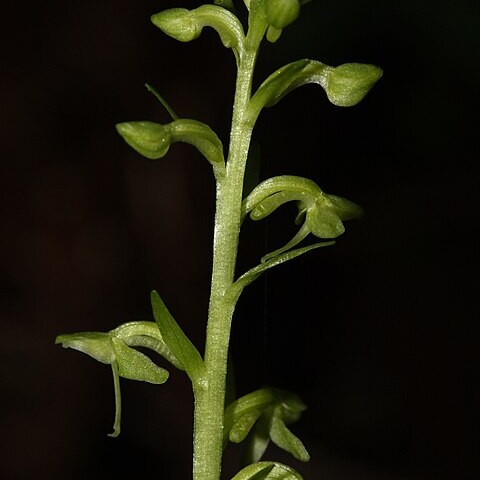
375,333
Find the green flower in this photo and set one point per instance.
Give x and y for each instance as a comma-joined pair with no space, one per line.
319,213
115,348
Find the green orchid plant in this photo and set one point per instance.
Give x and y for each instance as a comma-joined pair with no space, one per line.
264,415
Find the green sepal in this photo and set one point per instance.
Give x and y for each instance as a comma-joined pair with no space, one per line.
228,4
187,25
267,471
281,13
348,84
97,345
257,23
273,34
241,428
152,140
264,414
283,438
178,342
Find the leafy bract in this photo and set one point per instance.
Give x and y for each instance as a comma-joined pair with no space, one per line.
176,340
248,277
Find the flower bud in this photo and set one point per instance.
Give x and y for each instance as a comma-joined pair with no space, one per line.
148,138
281,13
350,82
177,23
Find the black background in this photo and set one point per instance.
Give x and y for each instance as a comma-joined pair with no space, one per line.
375,333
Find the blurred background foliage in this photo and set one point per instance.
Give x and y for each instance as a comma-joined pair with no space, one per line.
375,333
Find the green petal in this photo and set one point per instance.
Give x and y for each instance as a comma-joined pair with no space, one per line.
285,439
136,366
324,223
241,428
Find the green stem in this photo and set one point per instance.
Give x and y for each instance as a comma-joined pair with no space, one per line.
210,399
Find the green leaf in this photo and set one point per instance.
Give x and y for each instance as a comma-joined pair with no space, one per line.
164,103
248,277
96,344
177,341
136,366
348,84
267,471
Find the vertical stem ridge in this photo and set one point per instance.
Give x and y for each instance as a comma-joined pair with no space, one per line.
209,401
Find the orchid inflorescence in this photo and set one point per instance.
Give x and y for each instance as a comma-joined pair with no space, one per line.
264,415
